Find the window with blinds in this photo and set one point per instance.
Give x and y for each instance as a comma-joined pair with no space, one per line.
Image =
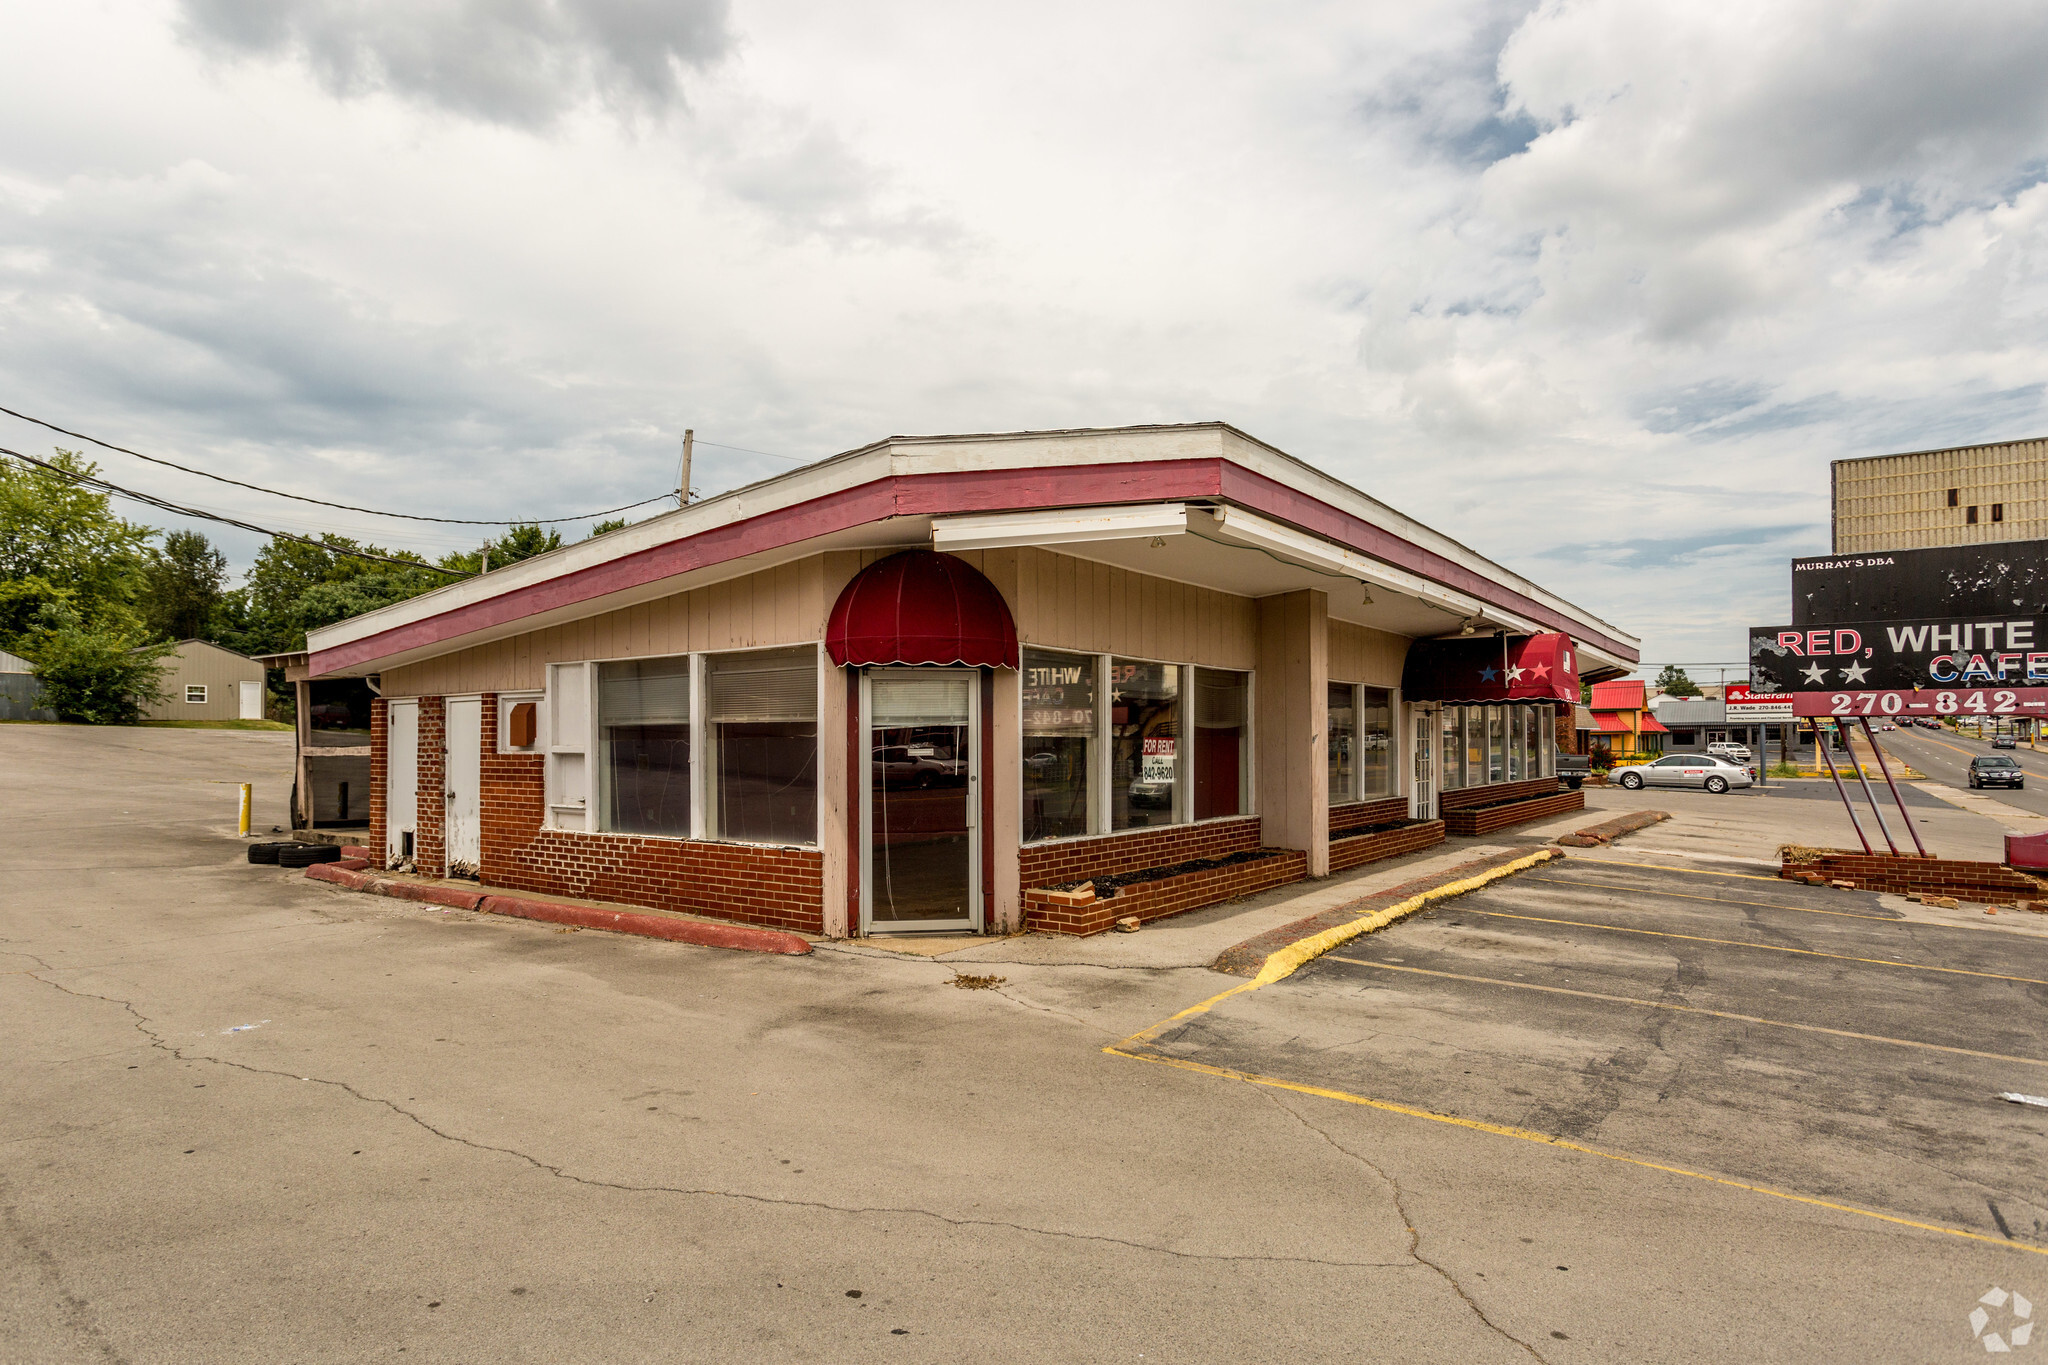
762,708
643,708
921,701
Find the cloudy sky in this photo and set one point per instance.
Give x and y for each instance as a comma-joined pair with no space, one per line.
1598,288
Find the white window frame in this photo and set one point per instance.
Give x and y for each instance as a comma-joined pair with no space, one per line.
700,812
199,700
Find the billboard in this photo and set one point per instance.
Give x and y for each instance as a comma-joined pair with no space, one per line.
1958,630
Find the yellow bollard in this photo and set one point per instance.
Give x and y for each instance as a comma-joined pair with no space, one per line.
247,792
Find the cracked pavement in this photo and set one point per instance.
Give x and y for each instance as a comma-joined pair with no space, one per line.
252,1117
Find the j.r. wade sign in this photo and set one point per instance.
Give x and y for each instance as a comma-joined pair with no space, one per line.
1958,629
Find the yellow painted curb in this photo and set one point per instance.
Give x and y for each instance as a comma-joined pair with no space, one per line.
1287,961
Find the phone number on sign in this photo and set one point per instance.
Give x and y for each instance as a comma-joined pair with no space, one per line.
1983,701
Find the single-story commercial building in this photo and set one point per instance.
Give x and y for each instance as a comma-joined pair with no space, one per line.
203,681
927,684
1627,728
331,755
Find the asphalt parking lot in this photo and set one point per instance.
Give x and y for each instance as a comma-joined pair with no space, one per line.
1801,1040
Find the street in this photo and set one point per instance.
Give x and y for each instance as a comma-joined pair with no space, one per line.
256,1118
1945,756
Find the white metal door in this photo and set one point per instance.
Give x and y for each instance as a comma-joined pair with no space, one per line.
401,780
251,707
464,831
1425,763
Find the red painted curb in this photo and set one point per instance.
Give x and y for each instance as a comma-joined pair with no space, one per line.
433,895
735,936
350,864
357,851
340,876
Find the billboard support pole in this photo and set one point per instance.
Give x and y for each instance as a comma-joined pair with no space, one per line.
1868,794
1820,746
1886,769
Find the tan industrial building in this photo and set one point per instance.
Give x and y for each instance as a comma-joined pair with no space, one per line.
1964,495
202,681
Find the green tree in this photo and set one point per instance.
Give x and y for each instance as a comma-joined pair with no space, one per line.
99,673
1673,681
517,543
187,581
294,587
61,545
606,527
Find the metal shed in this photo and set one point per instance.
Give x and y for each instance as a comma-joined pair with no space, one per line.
203,681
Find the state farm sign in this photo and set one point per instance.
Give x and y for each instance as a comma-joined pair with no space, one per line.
1746,705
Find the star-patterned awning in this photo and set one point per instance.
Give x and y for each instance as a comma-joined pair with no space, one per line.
1476,670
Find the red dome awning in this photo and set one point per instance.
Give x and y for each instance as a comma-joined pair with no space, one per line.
921,607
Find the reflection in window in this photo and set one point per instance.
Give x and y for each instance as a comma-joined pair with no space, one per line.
1342,726
644,715
1222,719
763,713
1518,741
1375,742
1452,747
1059,726
1144,744
1496,744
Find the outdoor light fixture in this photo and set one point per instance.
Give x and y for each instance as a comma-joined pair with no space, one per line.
1465,626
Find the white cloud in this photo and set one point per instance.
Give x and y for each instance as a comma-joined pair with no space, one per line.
1597,288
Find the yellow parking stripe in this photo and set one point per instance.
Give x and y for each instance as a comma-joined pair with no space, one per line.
1565,1144
1695,1009
1761,947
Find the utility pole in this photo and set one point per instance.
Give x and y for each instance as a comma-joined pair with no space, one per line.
683,488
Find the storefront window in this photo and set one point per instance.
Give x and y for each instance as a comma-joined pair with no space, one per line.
1496,744
1222,720
1475,746
763,713
1059,729
1518,742
1144,723
644,715
1452,747
1342,727
1375,742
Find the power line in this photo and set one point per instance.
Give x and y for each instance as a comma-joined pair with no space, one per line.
793,459
154,501
322,502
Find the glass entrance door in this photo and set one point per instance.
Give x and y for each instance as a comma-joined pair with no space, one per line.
1425,766
921,807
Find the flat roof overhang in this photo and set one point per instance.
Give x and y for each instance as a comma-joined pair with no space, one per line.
1213,521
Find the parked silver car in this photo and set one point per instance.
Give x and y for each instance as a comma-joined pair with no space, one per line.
1714,773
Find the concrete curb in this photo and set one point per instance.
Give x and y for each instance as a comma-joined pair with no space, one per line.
739,937
1277,953
1607,831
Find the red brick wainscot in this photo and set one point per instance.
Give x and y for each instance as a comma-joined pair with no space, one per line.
1388,841
1065,861
1987,883
777,888
1482,810
1064,912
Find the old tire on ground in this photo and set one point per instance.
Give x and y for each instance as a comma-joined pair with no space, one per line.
305,855
1717,785
266,852
1633,781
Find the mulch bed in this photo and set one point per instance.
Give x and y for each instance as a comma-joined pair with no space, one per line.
1106,887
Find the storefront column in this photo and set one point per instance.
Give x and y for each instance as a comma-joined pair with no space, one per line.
835,820
1293,688
1004,766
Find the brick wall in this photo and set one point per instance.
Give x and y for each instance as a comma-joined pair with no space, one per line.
1361,849
1466,797
428,846
1377,812
1058,914
1926,876
1487,819
380,769
1073,860
777,888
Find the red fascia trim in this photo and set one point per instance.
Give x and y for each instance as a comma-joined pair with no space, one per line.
951,494
1312,514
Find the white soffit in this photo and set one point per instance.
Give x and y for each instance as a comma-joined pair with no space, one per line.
1060,526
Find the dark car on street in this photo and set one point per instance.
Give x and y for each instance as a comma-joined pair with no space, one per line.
1996,770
